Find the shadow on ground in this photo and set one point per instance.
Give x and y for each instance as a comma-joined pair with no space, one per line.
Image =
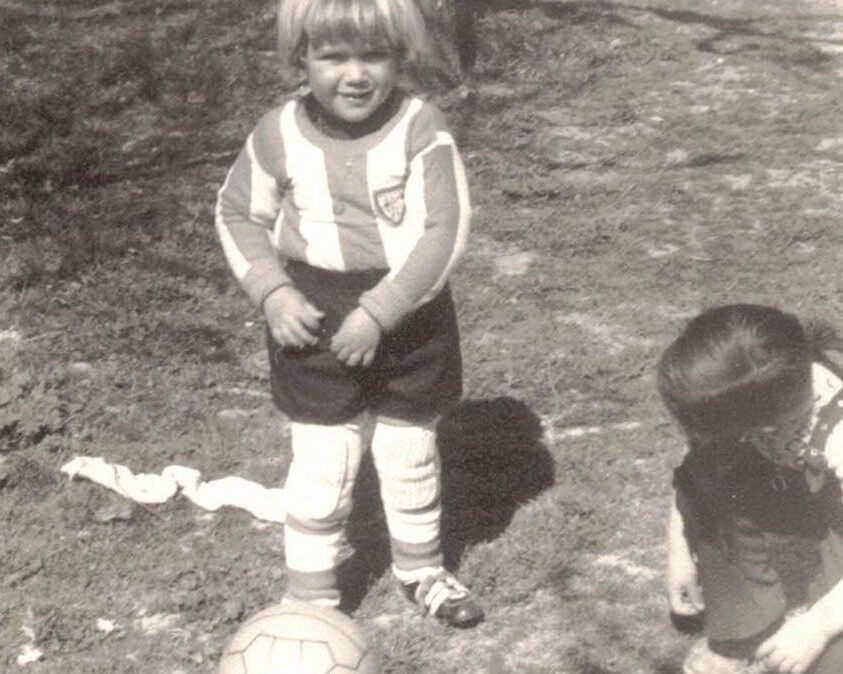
493,461
367,535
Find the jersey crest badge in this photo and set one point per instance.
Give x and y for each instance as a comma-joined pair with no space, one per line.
390,203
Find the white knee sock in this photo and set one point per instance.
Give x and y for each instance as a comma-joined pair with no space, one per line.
408,468
318,496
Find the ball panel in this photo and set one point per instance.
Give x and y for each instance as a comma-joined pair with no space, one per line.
301,621
258,653
299,609
316,657
286,656
298,627
333,617
232,663
299,638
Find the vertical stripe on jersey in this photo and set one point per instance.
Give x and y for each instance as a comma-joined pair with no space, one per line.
386,166
236,260
359,242
246,206
460,241
312,196
245,239
442,186
264,197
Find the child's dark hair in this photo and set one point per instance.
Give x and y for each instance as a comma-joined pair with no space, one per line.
735,368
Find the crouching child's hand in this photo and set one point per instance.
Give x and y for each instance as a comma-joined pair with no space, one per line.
683,589
795,645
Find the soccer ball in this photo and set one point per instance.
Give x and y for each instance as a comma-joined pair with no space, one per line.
299,638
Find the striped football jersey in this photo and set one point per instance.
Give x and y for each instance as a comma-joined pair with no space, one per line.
396,199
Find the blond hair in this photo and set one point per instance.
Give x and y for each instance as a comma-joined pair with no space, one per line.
395,24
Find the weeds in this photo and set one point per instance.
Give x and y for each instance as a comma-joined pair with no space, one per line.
138,62
31,410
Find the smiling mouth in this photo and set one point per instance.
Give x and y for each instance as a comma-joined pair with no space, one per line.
356,96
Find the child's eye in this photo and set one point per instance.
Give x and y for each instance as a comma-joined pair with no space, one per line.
327,52
377,55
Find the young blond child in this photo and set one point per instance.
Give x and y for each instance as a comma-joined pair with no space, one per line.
342,219
755,533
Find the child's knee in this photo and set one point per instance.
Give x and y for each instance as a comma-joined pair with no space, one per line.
407,464
325,464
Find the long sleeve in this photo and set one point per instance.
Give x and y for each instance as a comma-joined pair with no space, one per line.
437,187
827,435
248,206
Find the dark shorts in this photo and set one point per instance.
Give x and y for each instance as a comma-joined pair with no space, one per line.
416,373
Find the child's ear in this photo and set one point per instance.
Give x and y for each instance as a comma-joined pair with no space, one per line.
293,74
297,57
296,66
404,64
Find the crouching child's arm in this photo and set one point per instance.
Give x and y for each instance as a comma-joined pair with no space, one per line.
803,637
683,588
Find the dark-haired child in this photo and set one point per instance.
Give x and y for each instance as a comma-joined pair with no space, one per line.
755,533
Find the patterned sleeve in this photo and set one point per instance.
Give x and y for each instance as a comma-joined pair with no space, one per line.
827,433
247,207
832,436
437,175
827,421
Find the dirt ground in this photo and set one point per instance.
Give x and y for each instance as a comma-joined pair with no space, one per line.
630,162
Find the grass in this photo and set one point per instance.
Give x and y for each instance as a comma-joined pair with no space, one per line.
629,164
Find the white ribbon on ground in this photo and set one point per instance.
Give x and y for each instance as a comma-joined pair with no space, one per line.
264,503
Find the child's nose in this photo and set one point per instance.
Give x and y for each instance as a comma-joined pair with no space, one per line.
355,71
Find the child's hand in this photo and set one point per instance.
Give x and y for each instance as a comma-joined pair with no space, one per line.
357,339
683,589
795,646
292,319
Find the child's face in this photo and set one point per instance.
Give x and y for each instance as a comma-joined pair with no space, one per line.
350,81
785,442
